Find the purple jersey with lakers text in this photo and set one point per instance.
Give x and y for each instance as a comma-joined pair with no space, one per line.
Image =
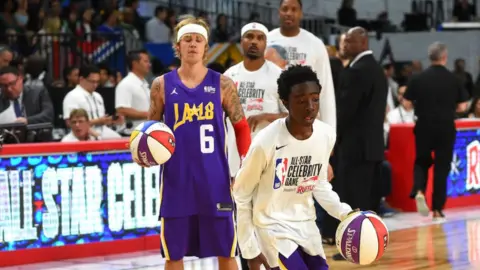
196,180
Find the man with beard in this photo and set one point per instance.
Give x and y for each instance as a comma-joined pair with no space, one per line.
304,48
256,81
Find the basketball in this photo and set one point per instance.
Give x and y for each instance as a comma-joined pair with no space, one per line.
362,238
152,143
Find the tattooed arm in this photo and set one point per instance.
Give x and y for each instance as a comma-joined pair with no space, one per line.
157,99
230,100
234,110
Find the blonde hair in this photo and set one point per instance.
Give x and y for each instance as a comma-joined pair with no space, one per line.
182,23
78,113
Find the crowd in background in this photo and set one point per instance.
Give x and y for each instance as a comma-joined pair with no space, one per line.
23,20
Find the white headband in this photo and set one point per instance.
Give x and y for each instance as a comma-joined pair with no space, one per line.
254,26
192,28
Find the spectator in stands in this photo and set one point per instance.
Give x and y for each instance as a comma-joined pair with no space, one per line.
116,77
35,71
6,56
69,22
132,94
25,104
171,20
474,111
71,76
156,29
405,73
105,74
84,26
174,64
465,77
341,50
347,15
138,22
81,129
130,33
53,21
19,63
392,101
403,114
7,19
416,67
221,33
21,16
36,15
278,55
463,11
127,23
84,97
110,22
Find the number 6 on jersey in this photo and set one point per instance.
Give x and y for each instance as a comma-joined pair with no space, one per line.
207,145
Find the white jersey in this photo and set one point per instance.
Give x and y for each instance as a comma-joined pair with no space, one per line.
278,177
258,94
307,49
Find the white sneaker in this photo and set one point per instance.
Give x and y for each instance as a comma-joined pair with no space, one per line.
422,206
439,218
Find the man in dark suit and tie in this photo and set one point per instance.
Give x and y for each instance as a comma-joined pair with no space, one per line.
19,103
361,103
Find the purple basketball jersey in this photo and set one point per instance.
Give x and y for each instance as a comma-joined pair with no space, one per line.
196,180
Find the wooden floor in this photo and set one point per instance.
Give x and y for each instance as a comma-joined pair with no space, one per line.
415,243
452,245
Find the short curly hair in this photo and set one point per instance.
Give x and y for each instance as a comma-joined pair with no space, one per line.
295,75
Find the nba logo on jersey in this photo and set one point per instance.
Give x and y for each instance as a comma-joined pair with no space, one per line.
209,89
280,172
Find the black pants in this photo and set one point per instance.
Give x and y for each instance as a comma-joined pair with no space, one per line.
386,178
439,138
358,184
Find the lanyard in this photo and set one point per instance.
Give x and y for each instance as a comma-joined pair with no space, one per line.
401,115
90,107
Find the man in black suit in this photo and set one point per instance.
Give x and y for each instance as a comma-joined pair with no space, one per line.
360,115
29,105
437,95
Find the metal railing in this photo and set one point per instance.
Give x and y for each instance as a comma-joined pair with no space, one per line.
238,13
62,50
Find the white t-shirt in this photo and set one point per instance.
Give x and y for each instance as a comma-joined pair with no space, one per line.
79,98
307,49
273,192
258,94
70,137
133,92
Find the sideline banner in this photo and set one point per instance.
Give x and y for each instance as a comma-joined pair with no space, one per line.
464,177
69,199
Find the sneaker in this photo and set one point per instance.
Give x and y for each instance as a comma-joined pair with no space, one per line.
385,212
438,216
338,257
422,206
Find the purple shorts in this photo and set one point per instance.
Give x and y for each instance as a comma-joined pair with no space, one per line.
300,260
198,236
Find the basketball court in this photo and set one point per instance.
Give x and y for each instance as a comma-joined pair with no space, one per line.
415,243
